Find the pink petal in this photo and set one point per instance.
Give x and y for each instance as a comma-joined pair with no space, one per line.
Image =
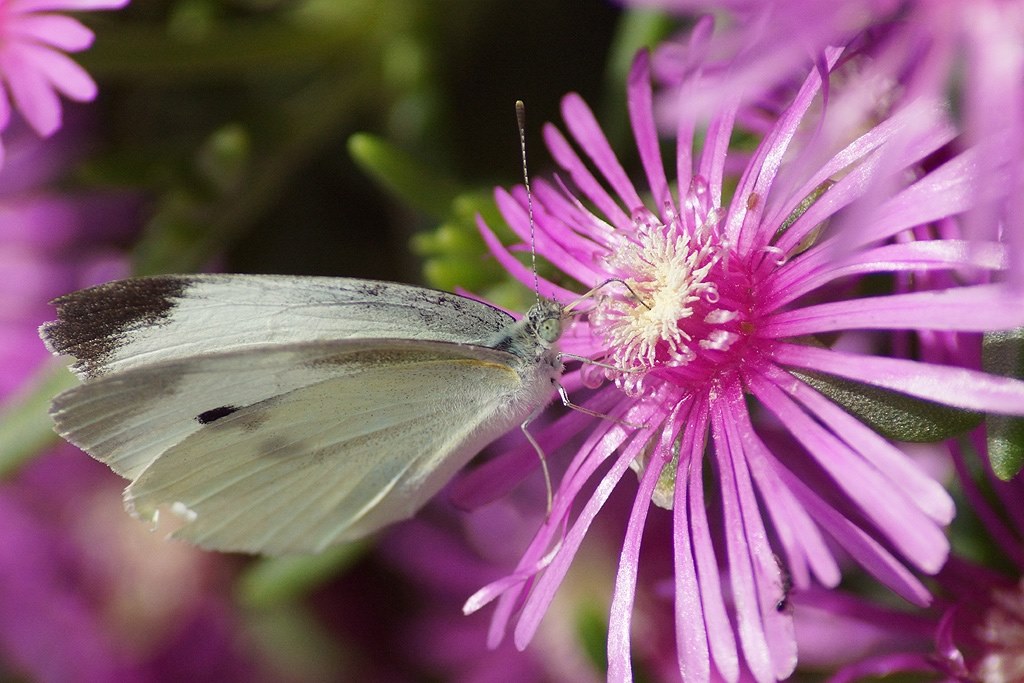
716,148
913,533
686,119
691,637
522,273
620,660
851,186
584,127
58,31
994,113
716,620
573,226
563,154
767,634
903,139
744,595
794,280
946,191
957,387
32,94
800,536
519,220
880,666
641,116
969,309
599,445
544,591
62,71
495,589
918,487
499,475
763,169
867,552
5,108
949,190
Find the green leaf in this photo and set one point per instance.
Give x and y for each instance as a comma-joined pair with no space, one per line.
293,641
409,179
25,424
890,413
637,29
272,581
1003,354
800,210
592,633
224,159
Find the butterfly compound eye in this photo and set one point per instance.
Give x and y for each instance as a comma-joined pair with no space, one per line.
549,329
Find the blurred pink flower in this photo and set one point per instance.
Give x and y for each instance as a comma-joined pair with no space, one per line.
970,54
50,243
33,68
726,297
89,595
974,631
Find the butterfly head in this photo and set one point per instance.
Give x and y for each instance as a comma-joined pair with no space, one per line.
544,319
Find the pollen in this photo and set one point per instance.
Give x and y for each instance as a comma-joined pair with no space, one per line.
671,312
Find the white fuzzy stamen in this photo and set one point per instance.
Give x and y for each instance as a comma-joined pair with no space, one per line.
667,267
1003,634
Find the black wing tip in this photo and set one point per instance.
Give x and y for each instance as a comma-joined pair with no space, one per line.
92,323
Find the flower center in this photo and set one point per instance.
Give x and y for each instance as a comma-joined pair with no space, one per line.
685,306
1002,633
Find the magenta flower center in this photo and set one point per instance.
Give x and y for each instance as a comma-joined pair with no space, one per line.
686,315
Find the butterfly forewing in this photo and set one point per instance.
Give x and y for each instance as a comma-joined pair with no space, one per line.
136,322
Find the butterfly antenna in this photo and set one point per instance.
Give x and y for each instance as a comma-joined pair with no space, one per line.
521,123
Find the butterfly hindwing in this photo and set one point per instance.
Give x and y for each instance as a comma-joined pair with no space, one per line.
127,419
335,439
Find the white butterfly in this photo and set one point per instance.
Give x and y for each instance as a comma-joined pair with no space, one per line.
279,414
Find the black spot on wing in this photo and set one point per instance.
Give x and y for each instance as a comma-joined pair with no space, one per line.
92,323
214,414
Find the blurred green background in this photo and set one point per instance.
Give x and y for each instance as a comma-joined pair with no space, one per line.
235,117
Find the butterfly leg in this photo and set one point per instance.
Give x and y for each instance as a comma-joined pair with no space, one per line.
586,411
525,426
593,290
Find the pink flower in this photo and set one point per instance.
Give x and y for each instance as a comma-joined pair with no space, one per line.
50,243
717,306
968,53
974,632
33,68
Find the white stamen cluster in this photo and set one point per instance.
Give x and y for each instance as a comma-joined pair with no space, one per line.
1003,634
666,266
